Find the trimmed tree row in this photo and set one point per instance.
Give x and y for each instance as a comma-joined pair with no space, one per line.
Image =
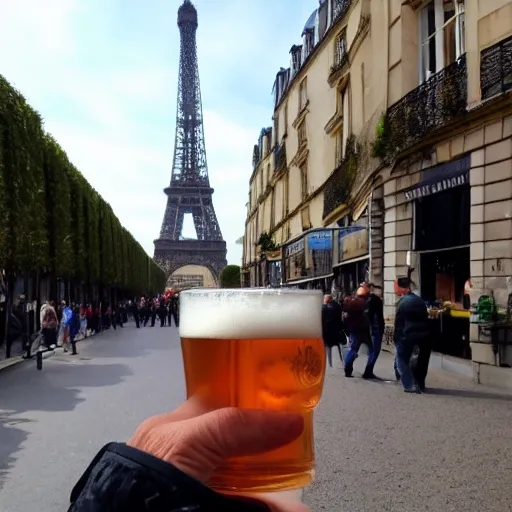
52,222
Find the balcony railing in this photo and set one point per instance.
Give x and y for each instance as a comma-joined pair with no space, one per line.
339,9
496,69
280,162
433,105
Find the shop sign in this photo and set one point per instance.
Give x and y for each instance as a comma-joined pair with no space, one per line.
320,253
439,186
295,247
440,178
295,260
353,242
320,240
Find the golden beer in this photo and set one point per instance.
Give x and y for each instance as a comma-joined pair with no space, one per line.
257,349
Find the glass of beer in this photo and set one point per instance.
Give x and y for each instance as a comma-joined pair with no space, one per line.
257,349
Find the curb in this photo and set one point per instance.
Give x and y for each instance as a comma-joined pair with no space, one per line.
6,363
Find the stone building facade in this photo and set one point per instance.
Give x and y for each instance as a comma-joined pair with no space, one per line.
402,148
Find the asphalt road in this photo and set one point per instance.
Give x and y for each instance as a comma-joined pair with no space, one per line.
378,449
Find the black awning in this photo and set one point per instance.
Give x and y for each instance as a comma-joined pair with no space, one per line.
440,178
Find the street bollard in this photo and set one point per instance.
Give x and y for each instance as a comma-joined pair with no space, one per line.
39,360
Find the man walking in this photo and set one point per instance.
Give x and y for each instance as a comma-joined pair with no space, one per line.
332,326
356,322
411,328
375,309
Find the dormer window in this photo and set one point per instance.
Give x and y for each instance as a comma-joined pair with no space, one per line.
308,43
296,63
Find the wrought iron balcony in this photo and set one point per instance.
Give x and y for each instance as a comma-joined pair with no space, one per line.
496,69
280,162
339,9
436,103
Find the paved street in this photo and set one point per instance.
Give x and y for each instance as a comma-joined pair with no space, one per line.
378,449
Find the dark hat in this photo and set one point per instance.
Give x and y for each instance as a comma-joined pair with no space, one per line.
404,282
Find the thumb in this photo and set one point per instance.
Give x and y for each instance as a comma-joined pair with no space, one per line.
207,440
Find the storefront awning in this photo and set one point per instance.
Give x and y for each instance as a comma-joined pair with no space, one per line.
353,260
439,178
307,280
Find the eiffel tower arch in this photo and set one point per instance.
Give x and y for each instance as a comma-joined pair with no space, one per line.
189,191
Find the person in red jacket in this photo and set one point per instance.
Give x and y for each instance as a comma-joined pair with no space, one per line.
356,323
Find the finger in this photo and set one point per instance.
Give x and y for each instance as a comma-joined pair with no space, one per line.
191,408
204,442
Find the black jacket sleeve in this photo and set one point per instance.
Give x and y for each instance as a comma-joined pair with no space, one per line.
123,479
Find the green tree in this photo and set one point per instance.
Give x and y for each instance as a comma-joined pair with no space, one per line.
25,238
230,277
58,205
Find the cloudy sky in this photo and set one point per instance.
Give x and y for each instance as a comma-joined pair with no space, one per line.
103,74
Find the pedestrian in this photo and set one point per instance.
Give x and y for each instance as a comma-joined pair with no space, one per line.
73,329
135,313
411,329
113,316
332,327
153,314
375,308
176,309
121,314
169,313
65,317
162,313
356,323
49,324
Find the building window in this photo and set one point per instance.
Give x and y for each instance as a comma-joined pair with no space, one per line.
308,43
340,50
442,33
304,181
276,127
303,94
296,59
301,133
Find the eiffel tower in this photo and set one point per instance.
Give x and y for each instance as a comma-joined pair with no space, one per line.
189,191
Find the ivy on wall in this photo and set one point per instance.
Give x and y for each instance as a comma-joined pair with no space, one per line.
53,221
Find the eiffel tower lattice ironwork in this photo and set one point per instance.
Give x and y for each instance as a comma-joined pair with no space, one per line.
189,191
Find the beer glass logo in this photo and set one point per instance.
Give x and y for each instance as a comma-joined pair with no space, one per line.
307,366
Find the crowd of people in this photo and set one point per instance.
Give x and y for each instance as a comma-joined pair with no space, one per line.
66,324
360,320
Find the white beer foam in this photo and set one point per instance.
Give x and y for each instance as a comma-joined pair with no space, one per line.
251,314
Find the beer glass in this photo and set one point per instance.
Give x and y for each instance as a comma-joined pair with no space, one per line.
257,349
